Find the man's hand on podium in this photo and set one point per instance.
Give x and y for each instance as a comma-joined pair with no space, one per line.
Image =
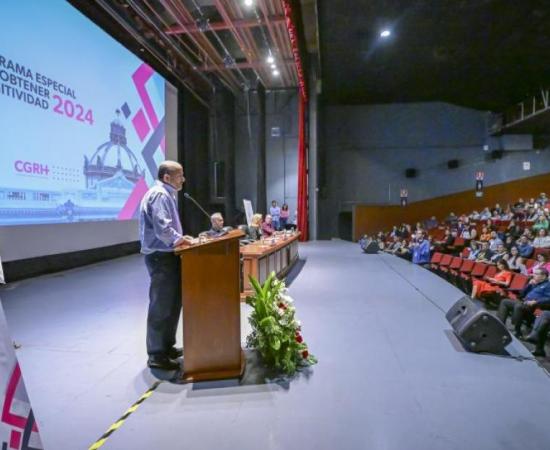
185,240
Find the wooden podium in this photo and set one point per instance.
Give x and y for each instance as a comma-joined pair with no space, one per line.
210,282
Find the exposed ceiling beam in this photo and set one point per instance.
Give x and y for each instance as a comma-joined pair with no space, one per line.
217,26
243,65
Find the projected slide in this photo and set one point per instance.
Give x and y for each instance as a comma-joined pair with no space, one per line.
82,119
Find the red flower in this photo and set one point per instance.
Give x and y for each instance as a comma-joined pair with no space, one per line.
305,354
282,305
299,338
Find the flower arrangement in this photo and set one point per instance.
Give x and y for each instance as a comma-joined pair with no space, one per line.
276,333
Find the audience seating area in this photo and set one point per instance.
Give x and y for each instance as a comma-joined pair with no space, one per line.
467,248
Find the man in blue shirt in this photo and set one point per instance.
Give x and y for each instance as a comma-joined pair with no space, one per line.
421,250
160,232
535,295
525,250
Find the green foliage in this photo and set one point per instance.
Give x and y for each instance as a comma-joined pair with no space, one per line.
275,330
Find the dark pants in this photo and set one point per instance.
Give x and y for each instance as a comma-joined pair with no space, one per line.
164,301
541,329
519,311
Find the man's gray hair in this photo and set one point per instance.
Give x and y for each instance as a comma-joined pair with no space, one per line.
216,215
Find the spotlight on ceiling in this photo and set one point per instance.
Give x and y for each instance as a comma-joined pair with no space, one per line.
273,66
270,59
248,3
275,73
385,33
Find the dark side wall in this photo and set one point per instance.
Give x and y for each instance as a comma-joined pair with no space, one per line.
275,133
365,150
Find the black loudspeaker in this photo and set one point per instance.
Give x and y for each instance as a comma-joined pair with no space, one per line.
478,330
410,173
453,164
371,246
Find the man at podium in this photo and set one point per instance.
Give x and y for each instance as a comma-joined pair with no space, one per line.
160,232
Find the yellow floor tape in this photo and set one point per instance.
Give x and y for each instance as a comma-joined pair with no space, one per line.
115,426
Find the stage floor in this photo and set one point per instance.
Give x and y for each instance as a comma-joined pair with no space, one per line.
390,375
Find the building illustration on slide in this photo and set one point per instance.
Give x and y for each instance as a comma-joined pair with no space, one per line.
110,173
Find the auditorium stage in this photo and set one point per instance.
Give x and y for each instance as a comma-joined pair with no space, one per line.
390,375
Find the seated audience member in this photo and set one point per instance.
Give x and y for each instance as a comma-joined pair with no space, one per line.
525,249
513,230
542,240
466,233
284,216
490,225
431,223
485,214
485,234
420,250
474,250
535,295
507,214
474,215
539,333
495,241
533,214
515,261
541,223
520,204
267,226
509,242
497,209
499,254
502,278
255,228
451,219
541,263
484,255
392,247
542,199
216,229
404,251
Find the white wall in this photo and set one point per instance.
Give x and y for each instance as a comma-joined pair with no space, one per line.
28,241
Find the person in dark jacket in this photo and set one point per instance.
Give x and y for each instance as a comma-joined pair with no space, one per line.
536,295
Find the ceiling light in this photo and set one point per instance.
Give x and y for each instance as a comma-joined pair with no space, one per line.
385,33
273,66
275,73
270,59
248,3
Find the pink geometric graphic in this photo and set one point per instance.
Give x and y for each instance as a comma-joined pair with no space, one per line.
140,77
133,201
16,390
141,126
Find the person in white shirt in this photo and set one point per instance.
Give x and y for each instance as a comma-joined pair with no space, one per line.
542,240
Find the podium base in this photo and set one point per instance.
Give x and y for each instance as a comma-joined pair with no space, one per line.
210,375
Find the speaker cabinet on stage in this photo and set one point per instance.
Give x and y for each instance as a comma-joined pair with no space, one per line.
371,246
478,330
210,284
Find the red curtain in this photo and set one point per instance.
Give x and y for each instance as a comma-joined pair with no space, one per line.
302,169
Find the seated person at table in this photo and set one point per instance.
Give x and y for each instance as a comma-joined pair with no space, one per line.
255,228
535,295
216,229
267,226
502,278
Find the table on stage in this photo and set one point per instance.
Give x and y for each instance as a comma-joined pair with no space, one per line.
260,258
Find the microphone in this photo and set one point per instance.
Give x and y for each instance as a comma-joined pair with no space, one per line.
186,195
